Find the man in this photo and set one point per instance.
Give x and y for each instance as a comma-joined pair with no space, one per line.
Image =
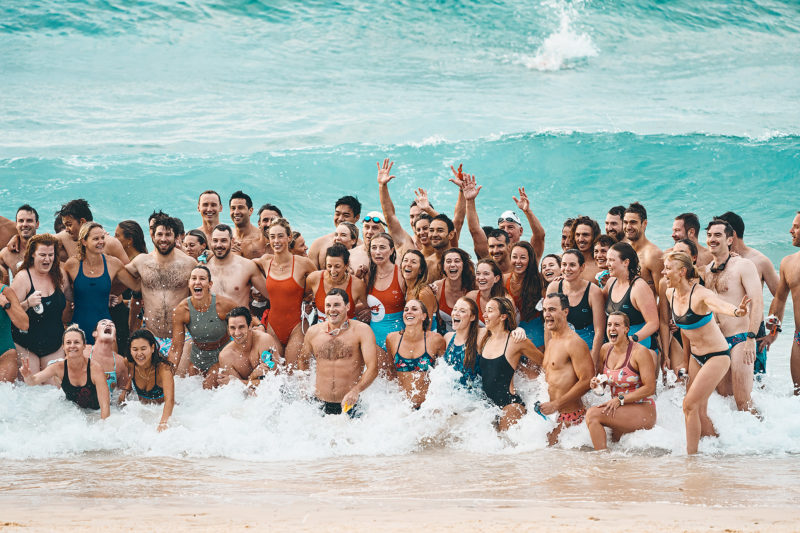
567,365
499,245
346,209
346,354
233,275
251,354
346,234
442,231
27,222
258,247
733,277
209,205
789,281
687,226
75,214
164,273
246,235
566,235
585,232
420,207
511,224
634,225
614,222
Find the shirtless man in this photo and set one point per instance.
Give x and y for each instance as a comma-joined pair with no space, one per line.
347,209
164,273
346,234
345,350
568,366
687,226
27,223
442,231
209,205
246,235
75,214
733,277
234,275
585,232
251,354
613,222
634,225
789,282
566,235
266,214
511,224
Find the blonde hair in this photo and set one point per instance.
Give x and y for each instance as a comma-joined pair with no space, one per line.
83,233
282,222
73,328
685,261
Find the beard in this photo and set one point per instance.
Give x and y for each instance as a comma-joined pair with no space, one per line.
168,250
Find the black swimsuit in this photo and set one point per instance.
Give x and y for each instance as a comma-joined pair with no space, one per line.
580,316
156,393
497,374
625,304
44,333
83,395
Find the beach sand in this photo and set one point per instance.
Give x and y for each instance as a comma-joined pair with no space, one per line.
394,515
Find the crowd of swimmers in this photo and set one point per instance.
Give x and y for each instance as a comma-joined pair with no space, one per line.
106,320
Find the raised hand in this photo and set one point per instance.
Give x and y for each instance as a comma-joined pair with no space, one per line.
384,172
421,197
25,369
458,176
471,188
522,202
744,304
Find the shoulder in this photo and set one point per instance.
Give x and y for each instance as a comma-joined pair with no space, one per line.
552,287
437,340
314,277
448,336
264,338
306,263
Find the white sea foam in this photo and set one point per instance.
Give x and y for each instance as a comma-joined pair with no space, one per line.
561,48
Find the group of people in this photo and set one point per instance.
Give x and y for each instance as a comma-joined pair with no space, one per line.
101,317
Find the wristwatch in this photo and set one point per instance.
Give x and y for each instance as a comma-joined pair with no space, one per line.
635,337
7,306
751,335
621,398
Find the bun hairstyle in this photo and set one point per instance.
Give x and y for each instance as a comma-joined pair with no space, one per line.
685,262
626,252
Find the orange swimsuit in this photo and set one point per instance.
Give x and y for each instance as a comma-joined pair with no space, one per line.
319,299
285,301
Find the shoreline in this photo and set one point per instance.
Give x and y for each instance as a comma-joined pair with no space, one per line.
399,514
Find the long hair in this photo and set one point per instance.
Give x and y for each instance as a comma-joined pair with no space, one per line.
626,251
133,231
373,268
506,308
498,289
422,276
147,335
532,287
427,320
468,270
83,233
44,239
471,345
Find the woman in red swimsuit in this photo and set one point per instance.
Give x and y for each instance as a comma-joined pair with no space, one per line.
386,290
336,276
489,280
286,281
459,278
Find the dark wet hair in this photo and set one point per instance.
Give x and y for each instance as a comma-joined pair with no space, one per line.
201,267
352,202
77,209
605,240
626,252
269,207
729,231
239,195
167,223
446,219
532,285
179,223
690,221
562,299
692,246
423,216
224,227
58,224
736,222
568,223
133,231
338,250
336,291
26,207
577,253
554,256
147,335
617,211
199,235
239,311
467,272
585,221
637,209
499,233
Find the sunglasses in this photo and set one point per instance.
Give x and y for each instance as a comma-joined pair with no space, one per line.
373,219
721,267
506,219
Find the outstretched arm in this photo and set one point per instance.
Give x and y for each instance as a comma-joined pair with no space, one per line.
400,236
479,240
537,230
460,211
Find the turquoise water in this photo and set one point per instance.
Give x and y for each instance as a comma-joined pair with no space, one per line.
140,105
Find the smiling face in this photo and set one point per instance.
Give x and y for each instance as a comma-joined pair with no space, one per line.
795,231
238,328
600,255
717,241
571,267
142,352
678,230
343,213
369,229
550,269
209,207
633,226
95,241
492,316
43,258
422,231
220,243
240,213
554,316
613,225
453,266
336,268
565,238
615,265
673,272
192,246
616,329
519,259
380,250
278,239
199,285
413,314
26,224
498,249
462,315
73,344
72,225
265,219
684,248
410,266
335,310
439,237
513,229
584,235
485,277
164,239
300,247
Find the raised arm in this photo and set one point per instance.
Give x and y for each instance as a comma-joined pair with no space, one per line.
400,236
479,240
537,230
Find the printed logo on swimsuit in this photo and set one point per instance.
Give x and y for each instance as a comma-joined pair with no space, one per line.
376,308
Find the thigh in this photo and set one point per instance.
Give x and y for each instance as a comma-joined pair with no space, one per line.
8,366
631,417
707,378
33,360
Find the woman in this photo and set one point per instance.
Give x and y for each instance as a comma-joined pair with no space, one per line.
600,254
629,370
195,243
286,282
112,363
459,278
40,285
151,374
415,274
489,282
676,357
551,267
525,286
586,303
76,370
126,313
629,293
11,314
415,350
337,275
298,245
91,274
692,310
386,289
499,359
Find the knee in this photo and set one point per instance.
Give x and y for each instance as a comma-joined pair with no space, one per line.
690,408
593,416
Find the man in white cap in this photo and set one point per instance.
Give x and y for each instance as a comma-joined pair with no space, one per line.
511,223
